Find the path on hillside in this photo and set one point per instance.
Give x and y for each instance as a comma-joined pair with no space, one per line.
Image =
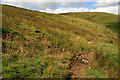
79,64
90,16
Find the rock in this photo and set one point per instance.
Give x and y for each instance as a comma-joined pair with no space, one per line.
84,61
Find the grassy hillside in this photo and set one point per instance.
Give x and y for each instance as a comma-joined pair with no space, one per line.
105,19
42,45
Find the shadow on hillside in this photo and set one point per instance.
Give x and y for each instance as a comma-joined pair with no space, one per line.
113,26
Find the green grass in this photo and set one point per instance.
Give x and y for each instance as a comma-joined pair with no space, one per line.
114,26
107,57
94,73
42,45
106,19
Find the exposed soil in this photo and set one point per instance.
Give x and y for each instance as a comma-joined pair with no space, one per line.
81,63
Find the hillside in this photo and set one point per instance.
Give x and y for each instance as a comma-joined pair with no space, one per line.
41,45
105,19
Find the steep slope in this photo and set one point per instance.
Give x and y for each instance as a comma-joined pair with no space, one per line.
105,19
41,45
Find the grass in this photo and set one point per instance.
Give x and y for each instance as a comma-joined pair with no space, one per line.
106,19
106,57
114,26
41,45
94,73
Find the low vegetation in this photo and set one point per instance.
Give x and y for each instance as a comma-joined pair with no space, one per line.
42,45
108,20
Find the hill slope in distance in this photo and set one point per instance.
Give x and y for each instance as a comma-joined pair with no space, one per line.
106,19
43,45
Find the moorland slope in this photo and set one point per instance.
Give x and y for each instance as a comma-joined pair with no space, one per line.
43,45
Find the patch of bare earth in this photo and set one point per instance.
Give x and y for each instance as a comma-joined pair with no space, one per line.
81,63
